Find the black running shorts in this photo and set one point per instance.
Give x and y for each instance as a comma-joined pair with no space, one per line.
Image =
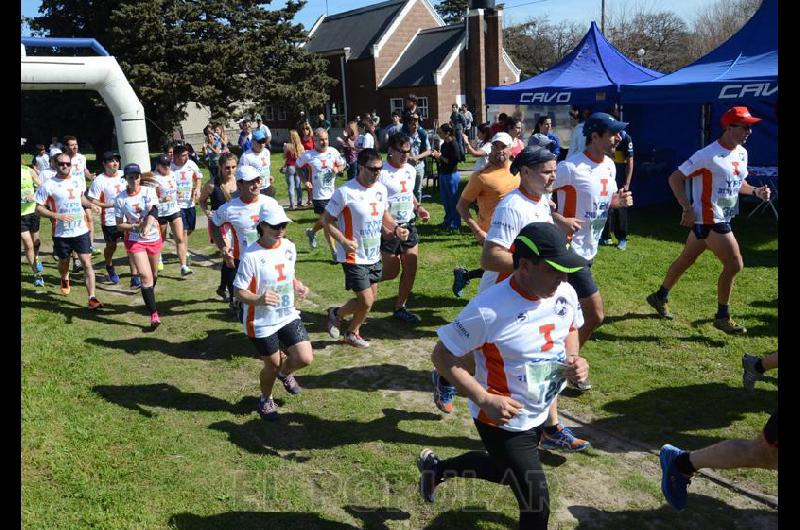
701,231
358,278
395,246
289,335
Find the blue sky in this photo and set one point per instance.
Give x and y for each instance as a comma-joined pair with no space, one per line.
579,11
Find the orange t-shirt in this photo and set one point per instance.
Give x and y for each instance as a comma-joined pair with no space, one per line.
487,187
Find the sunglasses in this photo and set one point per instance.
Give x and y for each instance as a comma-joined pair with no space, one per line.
407,151
280,226
64,163
375,169
262,141
741,126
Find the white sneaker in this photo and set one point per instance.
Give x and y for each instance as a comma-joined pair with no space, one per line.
333,323
354,339
312,237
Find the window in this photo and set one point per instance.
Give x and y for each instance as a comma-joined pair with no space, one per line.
269,113
422,107
282,114
395,104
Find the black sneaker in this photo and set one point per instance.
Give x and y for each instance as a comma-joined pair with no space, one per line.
222,292
426,463
660,306
290,384
460,280
267,409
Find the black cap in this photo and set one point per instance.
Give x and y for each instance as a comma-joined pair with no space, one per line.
601,122
131,169
164,160
530,156
108,155
546,241
179,148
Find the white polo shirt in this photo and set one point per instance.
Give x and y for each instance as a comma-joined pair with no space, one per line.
399,182
324,167
64,196
716,174
359,211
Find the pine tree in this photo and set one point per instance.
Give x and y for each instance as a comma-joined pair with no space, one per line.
452,11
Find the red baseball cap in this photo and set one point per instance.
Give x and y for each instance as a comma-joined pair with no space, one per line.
738,115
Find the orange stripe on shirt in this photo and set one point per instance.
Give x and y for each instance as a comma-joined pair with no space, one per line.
706,208
496,381
251,310
104,211
235,241
348,232
570,200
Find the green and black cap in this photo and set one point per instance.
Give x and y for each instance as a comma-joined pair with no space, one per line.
546,241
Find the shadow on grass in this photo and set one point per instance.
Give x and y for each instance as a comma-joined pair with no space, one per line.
296,431
163,395
766,325
218,344
371,378
374,518
256,521
703,511
675,414
59,305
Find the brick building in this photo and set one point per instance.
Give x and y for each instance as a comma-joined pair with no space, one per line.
381,53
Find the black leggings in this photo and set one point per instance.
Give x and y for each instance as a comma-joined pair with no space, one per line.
227,275
511,458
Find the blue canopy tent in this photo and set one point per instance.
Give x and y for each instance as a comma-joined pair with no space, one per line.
674,115
590,75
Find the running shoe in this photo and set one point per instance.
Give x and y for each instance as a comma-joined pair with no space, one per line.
113,277
750,375
460,280
136,281
65,286
406,316
312,237
76,266
155,321
729,326
290,384
186,271
606,242
334,322
160,266
443,394
583,387
660,306
38,281
354,339
94,303
95,251
38,263
673,482
562,439
267,409
222,292
426,463
623,244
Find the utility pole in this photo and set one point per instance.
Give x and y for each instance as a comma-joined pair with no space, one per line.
603,17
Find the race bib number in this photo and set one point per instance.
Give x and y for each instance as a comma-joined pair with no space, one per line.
401,211
545,379
371,247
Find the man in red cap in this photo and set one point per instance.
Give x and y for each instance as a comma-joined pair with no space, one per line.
717,174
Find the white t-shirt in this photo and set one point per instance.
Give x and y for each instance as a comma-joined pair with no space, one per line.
514,212
577,142
584,188
185,177
133,208
42,162
481,162
324,167
511,334
167,187
265,269
716,175
105,189
242,218
260,161
64,196
360,213
399,182
365,141
47,174
78,166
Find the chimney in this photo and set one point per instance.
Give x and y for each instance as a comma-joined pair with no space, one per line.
476,58
494,46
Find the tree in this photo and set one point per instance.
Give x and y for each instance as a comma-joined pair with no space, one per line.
537,44
452,11
218,53
714,24
663,35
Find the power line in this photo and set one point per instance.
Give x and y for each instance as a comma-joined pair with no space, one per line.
525,4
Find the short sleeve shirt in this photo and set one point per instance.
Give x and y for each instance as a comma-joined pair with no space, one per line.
64,196
584,188
261,162
716,174
487,187
511,334
105,189
27,188
365,141
242,218
624,149
359,211
515,211
263,269
185,177
324,167
167,188
78,166
42,162
132,208
399,182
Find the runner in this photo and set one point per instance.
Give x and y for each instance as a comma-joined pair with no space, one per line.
79,169
717,174
102,193
266,284
189,179
586,188
29,232
136,212
220,191
240,215
324,163
525,333
258,157
169,213
355,217
398,176
64,196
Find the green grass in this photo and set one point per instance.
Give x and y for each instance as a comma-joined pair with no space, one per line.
127,429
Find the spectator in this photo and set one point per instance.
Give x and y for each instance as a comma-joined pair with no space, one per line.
394,128
410,106
618,217
348,143
263,127
212,148
468,119
577,142
514,129
323,123
245,135
374,118
458,123
449,177
291,152
41,160
484,147
365,139
544,126
55,144
420,149
500,124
